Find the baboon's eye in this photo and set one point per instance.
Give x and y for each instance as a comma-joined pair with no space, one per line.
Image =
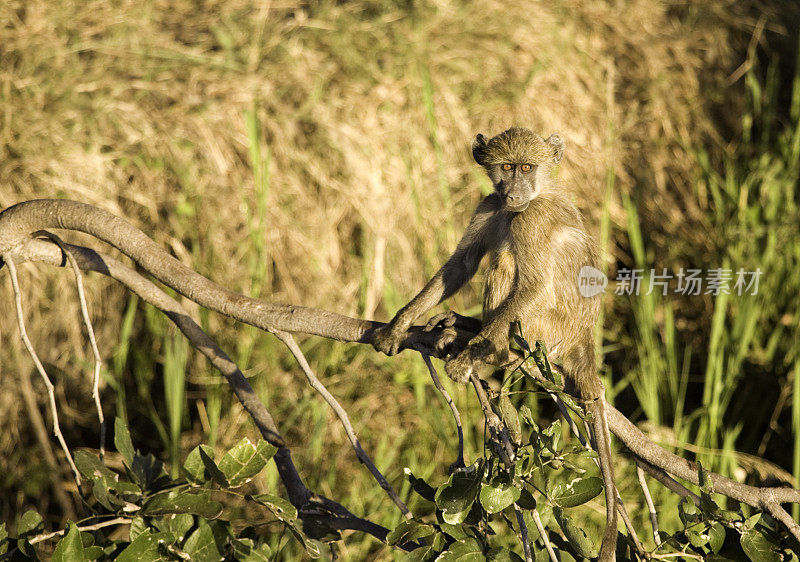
526,167
507,167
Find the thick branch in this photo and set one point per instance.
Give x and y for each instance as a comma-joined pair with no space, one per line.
19,222
768,499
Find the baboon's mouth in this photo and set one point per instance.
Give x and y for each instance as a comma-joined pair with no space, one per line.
517,208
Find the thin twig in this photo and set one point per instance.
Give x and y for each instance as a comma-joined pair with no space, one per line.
626,519
523,531
315,383
650,506
82,528
459,462
667,481
98,361
42,435
497,428
538,521
775,509
12,270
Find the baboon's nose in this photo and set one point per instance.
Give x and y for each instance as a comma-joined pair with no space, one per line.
516,202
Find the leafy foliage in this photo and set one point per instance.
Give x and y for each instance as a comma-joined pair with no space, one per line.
202,516
555,480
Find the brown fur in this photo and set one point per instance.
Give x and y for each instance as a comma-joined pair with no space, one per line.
537,244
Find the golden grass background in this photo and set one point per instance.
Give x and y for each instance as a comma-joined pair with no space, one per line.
317,153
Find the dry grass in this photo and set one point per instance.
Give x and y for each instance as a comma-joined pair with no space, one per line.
365,112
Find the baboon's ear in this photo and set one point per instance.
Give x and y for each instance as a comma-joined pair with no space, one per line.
479,149
556,145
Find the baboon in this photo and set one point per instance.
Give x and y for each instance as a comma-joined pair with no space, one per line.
537,245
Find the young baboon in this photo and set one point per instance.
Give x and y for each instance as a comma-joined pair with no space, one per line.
537,245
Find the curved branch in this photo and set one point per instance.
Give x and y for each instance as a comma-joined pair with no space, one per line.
87,322
17,223
39,367
459,462
768,499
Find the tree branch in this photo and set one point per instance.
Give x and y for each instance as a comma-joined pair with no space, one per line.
340,412
17,224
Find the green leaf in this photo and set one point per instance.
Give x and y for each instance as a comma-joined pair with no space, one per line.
716,536
122,441
245,460
90,466
468,550
552,435
101,490
70,548
281,508
752,521
697,536
246,550
423,554
114,494
509,414
707,505
409,530
148,471
703,479
571,403
456,531
177,501
503,555
207,543
527,417
526,500
575,535
144,548
314,548
30,523
179,524
577,492
688,512
540,358
94,553
521,342
3,538
498,495
138,526
455,498
212,470
194,469
758,547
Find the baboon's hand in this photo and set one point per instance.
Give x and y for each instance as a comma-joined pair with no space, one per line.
460,368
442,320
387,339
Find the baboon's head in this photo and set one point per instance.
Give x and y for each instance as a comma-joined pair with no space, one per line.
518,162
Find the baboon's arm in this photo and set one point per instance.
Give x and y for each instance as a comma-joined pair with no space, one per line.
458,269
